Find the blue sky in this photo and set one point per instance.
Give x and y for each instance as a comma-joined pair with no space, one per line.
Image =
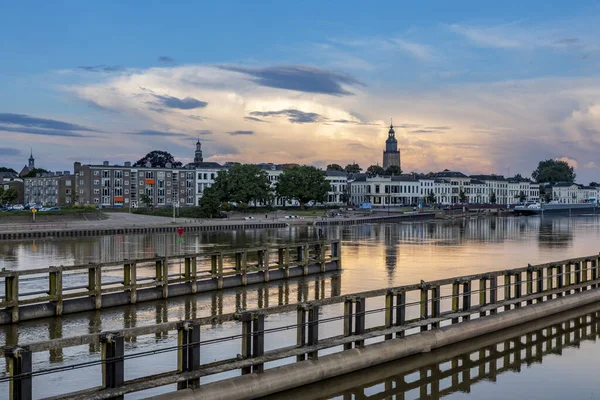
475,86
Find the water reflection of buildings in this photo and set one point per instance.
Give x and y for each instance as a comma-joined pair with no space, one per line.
455,369
555,233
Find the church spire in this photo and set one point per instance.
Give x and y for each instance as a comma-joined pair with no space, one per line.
31,159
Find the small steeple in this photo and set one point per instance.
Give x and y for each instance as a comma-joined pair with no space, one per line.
391,132
31,159
198,153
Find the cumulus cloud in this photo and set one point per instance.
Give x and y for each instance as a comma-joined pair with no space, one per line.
299,78
294,116
570,161
591,165
188,103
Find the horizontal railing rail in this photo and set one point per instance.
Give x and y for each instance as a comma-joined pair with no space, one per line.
406,309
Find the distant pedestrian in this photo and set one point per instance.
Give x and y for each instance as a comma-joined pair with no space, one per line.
266,216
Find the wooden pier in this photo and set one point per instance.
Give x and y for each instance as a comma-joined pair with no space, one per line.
71,289
411,319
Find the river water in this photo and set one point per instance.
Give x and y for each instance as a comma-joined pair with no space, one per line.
374,256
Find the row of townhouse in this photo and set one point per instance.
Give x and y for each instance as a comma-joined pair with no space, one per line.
446,187
573,193
127,186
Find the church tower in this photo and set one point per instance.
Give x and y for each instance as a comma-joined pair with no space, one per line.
31,165
198,153
391,155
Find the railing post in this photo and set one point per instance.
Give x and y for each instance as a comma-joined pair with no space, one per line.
191,272
55,288
113,364
455,298
594,266
162,276
466,298
560,281
188,352
549,281
214,260
306,259
265,263
584,273
507,286
568,278
308,325
435,305
423,315
336,254
284,261
529,283
518,288
18,365
130,280
220,271
253,338
493,293
11,291
483,294
354,319
322,262
95,284
244,268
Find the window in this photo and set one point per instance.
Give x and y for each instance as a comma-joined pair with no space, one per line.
149,175
96,173
68,183
81,182
106,174
96,200
96,182
168,174
126,173
141,183
118,174
126,191
68,191
80,173
126,183
212,176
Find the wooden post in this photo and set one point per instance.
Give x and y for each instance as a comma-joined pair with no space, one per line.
493,293
568,278
560,281
455,298
308,329
265,263
214,261
348,320
113,366
18,365
322,261
244,268
130,280
360,319
483,294
594,271
529,283
258,339
284,261
507,291
435,305
301,329
95,284
306,259
578,275
220,271
55,288
424,305
466,298
518,287
246,320
188,352
549,281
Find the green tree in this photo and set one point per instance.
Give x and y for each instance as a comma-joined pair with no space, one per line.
375,170
34,172
462,196
9,195
1,194
493,198
552,171
243,184
6,169
210,203
146,200
353,168
304,184
335,167
522,196
431,197
594,184
393,170
158,158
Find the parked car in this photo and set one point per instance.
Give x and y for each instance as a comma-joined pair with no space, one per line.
18,207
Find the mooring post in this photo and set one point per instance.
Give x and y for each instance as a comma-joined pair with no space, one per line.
130,280
336,254
455,298
423,315
188,352
18,365
435,305
55,288
113,363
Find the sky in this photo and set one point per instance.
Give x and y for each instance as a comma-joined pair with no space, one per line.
479,87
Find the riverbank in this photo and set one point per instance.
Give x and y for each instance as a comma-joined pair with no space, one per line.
124,223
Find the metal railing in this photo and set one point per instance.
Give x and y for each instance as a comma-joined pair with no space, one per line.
406,309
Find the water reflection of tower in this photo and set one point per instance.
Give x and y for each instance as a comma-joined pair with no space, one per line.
391,249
